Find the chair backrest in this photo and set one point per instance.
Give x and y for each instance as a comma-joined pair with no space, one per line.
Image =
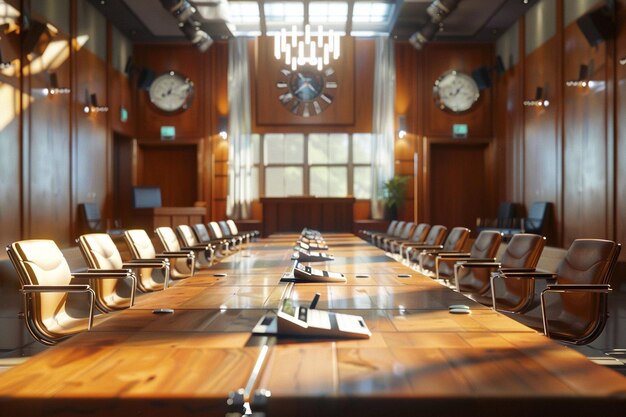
233,227
168,238
100,251
201,232
420,232
224,228
456,239
436,235
187,236
486,244
40,262
139,243
391,227
216,232
399,227
588,261
537,217
523,251
406,232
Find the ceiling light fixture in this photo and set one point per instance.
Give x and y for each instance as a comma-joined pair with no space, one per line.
315,49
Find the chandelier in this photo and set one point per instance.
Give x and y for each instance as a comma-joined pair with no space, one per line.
314,49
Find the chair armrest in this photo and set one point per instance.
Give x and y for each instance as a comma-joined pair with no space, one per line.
453,255
508,270
103,271
529,275
605,288
56,288
423,246
181,254
478,264
196,248
104,274
147,263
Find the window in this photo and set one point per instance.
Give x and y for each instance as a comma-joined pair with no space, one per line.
319,164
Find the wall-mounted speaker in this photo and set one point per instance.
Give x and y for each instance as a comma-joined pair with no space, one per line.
500,65
597,25
482,77
145,78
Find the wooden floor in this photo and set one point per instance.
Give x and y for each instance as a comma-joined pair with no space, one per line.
420,358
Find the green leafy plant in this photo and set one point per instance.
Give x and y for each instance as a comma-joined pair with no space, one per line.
394,190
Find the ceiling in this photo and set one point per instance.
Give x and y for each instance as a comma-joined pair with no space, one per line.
472,20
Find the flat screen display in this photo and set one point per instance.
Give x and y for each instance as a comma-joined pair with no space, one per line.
146,197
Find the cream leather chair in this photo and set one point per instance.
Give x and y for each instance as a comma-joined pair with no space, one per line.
56,307
205,252
100,252
184,259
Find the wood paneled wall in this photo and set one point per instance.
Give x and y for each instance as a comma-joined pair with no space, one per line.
430,128
53,156
572,153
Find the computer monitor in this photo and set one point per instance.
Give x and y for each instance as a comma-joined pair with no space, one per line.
146,197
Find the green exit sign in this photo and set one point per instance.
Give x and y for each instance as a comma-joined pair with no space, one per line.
168,132
459,131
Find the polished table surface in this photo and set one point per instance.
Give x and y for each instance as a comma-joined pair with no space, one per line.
420,358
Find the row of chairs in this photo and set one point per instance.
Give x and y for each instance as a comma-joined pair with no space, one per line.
55,306
573,304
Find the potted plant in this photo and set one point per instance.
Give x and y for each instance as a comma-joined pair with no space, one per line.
393,195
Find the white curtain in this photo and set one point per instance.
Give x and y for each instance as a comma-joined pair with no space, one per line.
239,135
383,122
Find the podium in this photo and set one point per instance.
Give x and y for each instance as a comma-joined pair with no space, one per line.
151,218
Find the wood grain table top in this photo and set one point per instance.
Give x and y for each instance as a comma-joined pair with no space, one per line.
420,358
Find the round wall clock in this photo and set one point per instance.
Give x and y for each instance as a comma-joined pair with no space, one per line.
455,91
171,92
306,92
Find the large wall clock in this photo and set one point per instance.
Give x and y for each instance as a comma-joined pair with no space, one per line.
171,92
306,92
455,92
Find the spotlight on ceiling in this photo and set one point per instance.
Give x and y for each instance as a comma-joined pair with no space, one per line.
440,9
197,36
189,21
419,38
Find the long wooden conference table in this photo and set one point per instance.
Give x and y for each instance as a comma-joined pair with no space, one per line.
420,358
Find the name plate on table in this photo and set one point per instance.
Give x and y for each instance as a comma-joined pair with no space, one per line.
302,273
312,245
295,320
304,255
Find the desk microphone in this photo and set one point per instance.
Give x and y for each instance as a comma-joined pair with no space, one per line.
316,298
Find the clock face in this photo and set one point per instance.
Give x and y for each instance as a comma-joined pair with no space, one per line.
455,91
306,92
171,92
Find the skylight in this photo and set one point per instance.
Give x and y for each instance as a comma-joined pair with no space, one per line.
363,17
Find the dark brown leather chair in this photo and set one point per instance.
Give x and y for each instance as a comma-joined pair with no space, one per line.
522,253
418,236
404,234
455,242
574,307
369,235
376,239
435,238
483,249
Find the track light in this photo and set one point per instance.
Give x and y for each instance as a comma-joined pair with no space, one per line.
91,104
189,21
198,37
440,9
583,78
539,101
427,33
